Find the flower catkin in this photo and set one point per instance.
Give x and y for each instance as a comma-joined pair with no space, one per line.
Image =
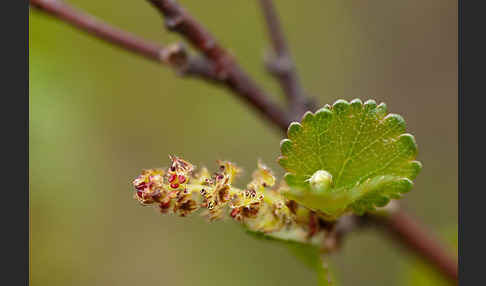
181,190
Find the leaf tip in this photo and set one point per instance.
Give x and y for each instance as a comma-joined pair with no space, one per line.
285,146
370,104
294,129
340,106
407,140
307,118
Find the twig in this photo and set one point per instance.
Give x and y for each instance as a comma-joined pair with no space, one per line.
409,233
227,70
281,64
174,55
403,228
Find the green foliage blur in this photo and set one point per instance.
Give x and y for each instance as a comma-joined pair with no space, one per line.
99,115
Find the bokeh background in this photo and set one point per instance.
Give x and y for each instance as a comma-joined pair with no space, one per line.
98,115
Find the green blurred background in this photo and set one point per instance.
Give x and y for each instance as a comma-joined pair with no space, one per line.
98,115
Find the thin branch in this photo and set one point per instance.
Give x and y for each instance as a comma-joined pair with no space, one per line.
218,69
405,230
281,64
174,55
227,70
416,238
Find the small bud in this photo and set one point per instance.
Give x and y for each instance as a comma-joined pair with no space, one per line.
321,181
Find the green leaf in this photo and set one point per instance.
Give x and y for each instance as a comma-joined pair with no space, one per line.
351,156
308,254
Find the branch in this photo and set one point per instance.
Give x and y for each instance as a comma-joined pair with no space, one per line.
174,55
409,233
227,70
218,69
404,229
281,64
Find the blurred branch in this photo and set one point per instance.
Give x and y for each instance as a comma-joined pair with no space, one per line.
280,64
174,55
218,67
227,70
406,230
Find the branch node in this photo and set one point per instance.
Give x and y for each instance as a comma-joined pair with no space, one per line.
174,22
278,65
175,55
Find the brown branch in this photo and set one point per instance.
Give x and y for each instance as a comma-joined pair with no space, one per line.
174,55
281,64
218,69
409,233
227,70
405,230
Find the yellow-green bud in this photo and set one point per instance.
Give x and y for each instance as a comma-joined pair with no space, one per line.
321,181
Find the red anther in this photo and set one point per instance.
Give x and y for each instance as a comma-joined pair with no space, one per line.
234,212
165,205
140,194
220,177
141,186
182,179
174,185
172,178
313,224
